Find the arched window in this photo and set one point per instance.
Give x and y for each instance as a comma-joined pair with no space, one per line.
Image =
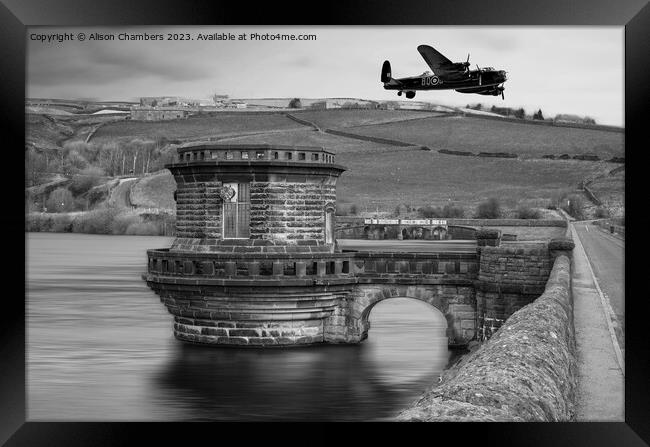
330,209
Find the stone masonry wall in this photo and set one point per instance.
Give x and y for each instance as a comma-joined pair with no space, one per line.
198,210
525,372
289,212
510,277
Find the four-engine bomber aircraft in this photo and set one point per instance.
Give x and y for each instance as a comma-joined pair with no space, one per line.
446,75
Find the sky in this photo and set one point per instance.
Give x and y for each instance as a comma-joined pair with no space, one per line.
576,70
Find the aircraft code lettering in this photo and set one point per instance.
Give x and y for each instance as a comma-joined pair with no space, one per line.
431,80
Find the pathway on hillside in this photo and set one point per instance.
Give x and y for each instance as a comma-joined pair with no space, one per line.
601,382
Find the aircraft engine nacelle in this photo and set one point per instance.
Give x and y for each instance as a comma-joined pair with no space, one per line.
386,74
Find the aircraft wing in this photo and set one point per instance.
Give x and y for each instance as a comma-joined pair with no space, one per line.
438,63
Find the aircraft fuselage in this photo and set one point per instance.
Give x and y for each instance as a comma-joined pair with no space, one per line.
432,82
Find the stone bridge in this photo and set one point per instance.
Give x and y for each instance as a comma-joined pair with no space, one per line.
353,227
255,262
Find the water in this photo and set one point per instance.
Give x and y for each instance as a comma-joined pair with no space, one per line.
100,348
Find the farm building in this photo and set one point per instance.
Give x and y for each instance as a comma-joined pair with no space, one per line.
158,113
167,101
567,118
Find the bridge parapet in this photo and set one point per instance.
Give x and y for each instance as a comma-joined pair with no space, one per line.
360,265
378,264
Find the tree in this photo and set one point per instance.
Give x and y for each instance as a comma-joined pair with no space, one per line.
490,209
109,158
452,210
427,212
36,167
60,200
295,103
520,113
86,179
524,212
538,115
574,206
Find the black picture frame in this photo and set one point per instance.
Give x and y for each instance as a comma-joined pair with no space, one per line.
15,15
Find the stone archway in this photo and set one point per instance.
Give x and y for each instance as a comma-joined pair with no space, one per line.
349,322
365,315
439,233
432,295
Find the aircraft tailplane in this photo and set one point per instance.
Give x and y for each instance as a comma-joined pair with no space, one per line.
386,74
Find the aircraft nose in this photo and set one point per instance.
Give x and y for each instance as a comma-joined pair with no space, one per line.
503,74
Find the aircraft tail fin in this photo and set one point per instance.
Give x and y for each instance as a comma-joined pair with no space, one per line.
386,72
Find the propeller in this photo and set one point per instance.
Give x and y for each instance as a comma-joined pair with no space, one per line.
501,88
467,64
480,78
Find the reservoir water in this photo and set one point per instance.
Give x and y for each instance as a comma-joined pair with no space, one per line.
100,348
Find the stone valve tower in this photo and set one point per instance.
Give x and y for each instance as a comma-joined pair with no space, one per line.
254,261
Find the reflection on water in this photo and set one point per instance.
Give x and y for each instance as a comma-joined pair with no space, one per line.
100,347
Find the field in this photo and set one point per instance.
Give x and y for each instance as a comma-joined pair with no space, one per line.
610,190
491,135
45,133
350,118
197,127
308,137
381,176
51,133
384,176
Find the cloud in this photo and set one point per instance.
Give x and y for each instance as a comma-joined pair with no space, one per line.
559,68
101,63
301,61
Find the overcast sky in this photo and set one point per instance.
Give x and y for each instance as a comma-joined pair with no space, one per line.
558,69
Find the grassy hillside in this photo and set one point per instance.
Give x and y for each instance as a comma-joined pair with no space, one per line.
381,175
610,190
351,118
44,132
308,137
196,127
49,132
154,191
384,176
483,135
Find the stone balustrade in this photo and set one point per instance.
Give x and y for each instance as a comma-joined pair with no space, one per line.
361,265
253,153
248,265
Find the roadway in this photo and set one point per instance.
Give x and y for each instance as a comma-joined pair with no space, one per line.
606,255
412,246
